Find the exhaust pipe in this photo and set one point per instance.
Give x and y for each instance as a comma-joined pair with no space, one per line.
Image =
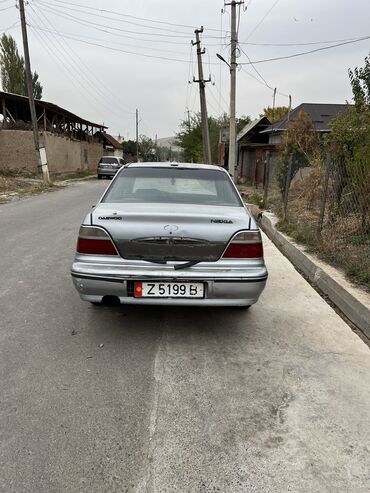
111,300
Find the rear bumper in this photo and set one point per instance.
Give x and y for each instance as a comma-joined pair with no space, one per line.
106,172
227,283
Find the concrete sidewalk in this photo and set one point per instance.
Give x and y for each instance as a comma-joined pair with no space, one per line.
352,301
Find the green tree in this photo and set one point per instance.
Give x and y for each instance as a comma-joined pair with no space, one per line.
129,148
360,82
190,135
301,144
12,69
274,114
146,148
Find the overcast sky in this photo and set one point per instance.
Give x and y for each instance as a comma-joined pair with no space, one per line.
106,85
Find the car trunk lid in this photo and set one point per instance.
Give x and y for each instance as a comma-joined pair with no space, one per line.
179,232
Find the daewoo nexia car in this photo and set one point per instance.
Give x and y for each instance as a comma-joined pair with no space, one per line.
171,234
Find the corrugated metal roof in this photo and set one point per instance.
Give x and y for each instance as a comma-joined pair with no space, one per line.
112,141
249,126
321,115
49,106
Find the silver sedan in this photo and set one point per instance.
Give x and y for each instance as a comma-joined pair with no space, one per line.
173,234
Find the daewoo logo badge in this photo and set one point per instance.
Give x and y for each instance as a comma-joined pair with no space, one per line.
106,218
171,228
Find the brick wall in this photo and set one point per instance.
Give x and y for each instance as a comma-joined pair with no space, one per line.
64,154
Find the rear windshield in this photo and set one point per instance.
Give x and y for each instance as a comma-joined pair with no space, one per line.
108,160
173,185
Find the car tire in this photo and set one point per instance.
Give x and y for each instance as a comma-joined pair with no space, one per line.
100,177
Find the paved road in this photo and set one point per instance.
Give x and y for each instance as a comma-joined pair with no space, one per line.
276,399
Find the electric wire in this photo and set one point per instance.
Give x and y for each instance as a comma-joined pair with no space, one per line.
132,16
59,12
74,9
262,20
58,62
7,8
63,33
105,29
302,44
15,24
305,52
85,85
257,72
74,38
99,83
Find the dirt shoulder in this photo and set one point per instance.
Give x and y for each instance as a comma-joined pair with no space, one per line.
16,186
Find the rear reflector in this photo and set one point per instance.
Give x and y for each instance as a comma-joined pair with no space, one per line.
95,241
138,290
247,244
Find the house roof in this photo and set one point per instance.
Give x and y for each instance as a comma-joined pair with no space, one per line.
321,115
251,125
40,103
112,141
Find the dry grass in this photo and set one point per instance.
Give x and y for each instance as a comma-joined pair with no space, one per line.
342,242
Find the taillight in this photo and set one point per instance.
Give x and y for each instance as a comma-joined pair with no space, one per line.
95,241
247,244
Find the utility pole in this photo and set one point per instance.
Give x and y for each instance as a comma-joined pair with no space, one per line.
233,67
188,114
202,93
137,135
41,154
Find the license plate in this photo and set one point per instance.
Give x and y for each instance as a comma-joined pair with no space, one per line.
169,290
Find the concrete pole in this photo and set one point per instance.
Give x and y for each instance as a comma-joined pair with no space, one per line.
233,65
41,154
137,135
203,104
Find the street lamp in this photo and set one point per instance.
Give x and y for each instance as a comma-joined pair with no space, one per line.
223,60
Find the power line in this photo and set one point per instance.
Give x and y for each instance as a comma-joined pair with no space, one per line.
305,52
84,11
188,81
257,72
132,16
302,44
73,53
63,33
7,8
262,20
16,23
106,30
245,72
74,38
59,62
86,85
56,10
210,93
113,28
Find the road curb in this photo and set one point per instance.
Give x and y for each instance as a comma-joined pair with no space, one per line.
351,307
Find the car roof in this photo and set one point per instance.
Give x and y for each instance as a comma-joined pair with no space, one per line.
172,164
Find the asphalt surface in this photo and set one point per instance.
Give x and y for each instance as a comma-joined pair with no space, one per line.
131,399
